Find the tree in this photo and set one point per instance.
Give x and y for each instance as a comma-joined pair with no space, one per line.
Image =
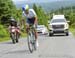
42,17
7,9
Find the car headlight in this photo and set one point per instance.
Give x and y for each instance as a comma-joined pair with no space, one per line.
43,30
50,27
66,26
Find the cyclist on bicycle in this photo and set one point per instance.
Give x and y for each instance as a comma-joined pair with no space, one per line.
31,18
14,23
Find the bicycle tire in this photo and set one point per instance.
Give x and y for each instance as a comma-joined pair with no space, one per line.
30,45
34,45
13,38
17,38
31,39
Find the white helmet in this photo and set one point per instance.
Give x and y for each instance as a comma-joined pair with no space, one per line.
12,19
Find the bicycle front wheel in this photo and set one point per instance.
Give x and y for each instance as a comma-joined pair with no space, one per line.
30,43
13,37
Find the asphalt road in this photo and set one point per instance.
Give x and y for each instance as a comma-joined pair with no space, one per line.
58,46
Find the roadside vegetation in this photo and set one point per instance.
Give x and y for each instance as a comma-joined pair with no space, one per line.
72,29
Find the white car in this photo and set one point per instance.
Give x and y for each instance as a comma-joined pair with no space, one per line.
58,24
42,29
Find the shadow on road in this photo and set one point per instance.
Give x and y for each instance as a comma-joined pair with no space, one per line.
58,35
55,35
19,52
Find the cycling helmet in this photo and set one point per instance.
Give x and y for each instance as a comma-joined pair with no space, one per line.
12,19
26,7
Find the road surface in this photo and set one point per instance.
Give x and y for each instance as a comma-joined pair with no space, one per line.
58,46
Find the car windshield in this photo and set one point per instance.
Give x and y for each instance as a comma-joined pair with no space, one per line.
58,20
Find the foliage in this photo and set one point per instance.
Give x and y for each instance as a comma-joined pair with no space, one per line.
42,17
5,10
3,32
8,9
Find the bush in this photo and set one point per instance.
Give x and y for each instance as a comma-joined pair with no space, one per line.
3,32
73,25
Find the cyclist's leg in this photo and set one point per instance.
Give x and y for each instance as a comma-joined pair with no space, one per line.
35,33
36,36
31,21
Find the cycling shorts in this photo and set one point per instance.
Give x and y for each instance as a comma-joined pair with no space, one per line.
30,20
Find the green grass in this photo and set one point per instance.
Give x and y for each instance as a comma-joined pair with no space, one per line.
72,29
23,34
2,39
4,35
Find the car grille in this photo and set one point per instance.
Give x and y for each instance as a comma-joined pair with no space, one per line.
57,26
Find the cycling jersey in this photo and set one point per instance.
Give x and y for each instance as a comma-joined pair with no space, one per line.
30,17
31,14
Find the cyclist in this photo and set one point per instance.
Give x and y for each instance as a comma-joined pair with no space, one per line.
14,23
31,18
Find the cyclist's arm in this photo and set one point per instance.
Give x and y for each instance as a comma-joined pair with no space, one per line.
35,22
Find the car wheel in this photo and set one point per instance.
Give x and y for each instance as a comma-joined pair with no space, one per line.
67,33
50,34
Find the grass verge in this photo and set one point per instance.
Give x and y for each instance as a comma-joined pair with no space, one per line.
72,29
2,39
